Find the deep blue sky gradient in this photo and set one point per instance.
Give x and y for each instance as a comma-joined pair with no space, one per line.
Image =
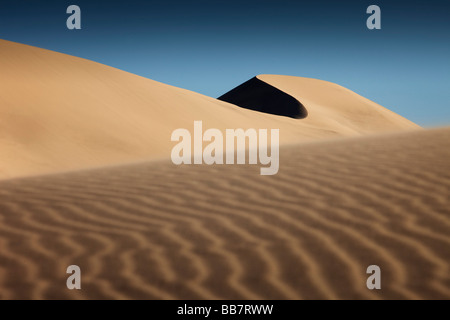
212,46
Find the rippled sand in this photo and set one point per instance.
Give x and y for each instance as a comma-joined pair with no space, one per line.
159,231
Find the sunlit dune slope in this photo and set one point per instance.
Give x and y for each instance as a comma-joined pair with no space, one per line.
59,112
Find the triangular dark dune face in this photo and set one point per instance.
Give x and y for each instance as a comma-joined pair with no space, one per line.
258,95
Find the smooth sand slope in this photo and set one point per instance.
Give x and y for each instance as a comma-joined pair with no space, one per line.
157,230
59,112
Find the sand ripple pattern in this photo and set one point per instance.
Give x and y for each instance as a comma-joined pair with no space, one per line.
160,231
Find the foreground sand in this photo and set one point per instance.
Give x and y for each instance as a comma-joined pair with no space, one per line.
155,230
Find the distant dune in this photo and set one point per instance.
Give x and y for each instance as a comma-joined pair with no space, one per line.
320,104
59,112
160,231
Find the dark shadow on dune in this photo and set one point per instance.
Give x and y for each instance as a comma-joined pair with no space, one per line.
260,96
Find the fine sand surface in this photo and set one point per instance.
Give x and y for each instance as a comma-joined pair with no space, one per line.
160,231
59,113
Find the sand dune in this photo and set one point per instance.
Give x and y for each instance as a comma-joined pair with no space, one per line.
59,112
162,231
149,229
320,104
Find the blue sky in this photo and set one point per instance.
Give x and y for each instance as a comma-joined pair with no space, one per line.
212,46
